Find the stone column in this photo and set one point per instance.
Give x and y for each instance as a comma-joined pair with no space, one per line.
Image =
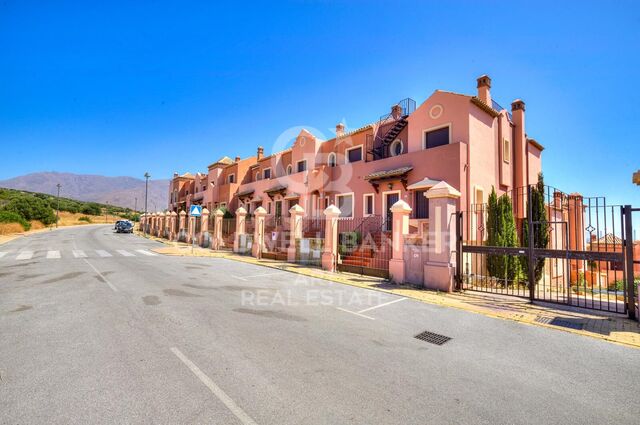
204,228
241,218
152,228
330,253
141,222
181,223
160,224
295,232
191,227
167,223
439,270
172,226
400,227
217,229
258,233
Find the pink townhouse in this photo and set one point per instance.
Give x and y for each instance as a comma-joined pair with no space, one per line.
468,141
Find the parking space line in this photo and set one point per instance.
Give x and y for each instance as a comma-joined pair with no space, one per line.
53,254
78,253
355,313
257,275
382,305
216,390
111,285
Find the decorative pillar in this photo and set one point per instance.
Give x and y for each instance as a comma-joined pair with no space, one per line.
330,253
152,229
173,235
167,222
204,228
258,232
217,229
241,219
295,231
160,225
181,223
141,222
400,227
439,270
191,227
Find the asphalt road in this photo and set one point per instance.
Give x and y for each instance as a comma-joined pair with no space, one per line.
96,329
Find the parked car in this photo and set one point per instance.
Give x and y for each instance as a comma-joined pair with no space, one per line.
124,226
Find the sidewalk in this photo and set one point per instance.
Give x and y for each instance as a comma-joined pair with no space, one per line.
600,325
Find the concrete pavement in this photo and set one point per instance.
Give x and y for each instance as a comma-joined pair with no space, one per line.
159,339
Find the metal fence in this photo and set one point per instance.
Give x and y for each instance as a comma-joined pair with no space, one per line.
364,246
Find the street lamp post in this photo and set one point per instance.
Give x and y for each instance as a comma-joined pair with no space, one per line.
135,208
58,207
146,192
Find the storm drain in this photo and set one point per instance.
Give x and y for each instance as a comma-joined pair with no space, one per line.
562,322
433,338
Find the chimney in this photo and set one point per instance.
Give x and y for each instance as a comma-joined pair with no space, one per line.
396,111
484,89
237,159
339,129
175,174
519,144
260,152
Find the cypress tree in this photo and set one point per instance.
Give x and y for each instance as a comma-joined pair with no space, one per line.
501,232
540,227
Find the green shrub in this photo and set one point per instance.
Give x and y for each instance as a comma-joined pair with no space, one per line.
32,208
85,218
12,217
91,209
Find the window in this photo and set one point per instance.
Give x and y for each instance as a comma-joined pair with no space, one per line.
332,160
302,165
231,178
257,176
354,154
266,173
345,204
396,147
367,204
268,207
421,205
289,169
506,151
435,138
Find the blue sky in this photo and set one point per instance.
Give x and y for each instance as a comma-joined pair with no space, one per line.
123,88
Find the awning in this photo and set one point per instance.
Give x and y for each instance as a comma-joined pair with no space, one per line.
245,193
425,183
389,175
257,199
275,191
292,196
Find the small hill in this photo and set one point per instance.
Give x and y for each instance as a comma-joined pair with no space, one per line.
120,191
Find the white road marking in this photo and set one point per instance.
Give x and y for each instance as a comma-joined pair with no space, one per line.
382,305
125,253
53,254
145,252
355,312
78,253
101,275
103,253
24,255
2,254
216,390
257,275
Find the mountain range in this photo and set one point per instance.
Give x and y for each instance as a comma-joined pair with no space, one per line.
120,191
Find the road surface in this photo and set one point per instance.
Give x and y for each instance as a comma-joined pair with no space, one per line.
95,328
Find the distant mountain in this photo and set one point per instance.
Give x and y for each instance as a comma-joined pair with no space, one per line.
120,191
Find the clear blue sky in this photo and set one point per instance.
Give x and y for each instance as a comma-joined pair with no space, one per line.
122,88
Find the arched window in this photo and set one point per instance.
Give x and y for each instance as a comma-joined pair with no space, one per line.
396,148
332,160
289,169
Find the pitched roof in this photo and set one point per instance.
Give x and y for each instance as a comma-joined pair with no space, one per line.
608,239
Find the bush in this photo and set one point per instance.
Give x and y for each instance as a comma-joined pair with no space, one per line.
32,208
85,218
12,217
91,209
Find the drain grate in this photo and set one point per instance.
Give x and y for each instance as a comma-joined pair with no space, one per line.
433,338
562,322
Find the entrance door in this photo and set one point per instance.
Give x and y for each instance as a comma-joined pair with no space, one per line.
390,199
278,212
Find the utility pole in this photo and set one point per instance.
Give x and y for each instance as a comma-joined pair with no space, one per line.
58,207
146,192
106,214
135,208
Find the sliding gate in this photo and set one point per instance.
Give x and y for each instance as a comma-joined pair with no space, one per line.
579,252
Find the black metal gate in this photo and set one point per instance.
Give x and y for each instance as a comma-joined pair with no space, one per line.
228,233
364,246
540,243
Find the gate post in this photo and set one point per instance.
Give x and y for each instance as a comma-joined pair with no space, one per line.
628,245
440,268
295,230
241,218
258,232
459,218
191,227
181,223
204,227
531,260
330,252
217,229
167,220
399,228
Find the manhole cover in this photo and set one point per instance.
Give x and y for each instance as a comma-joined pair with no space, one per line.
433,338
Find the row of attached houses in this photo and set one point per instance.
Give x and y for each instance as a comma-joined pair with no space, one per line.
469,141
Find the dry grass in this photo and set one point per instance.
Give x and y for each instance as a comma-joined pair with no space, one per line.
66,219
10,228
